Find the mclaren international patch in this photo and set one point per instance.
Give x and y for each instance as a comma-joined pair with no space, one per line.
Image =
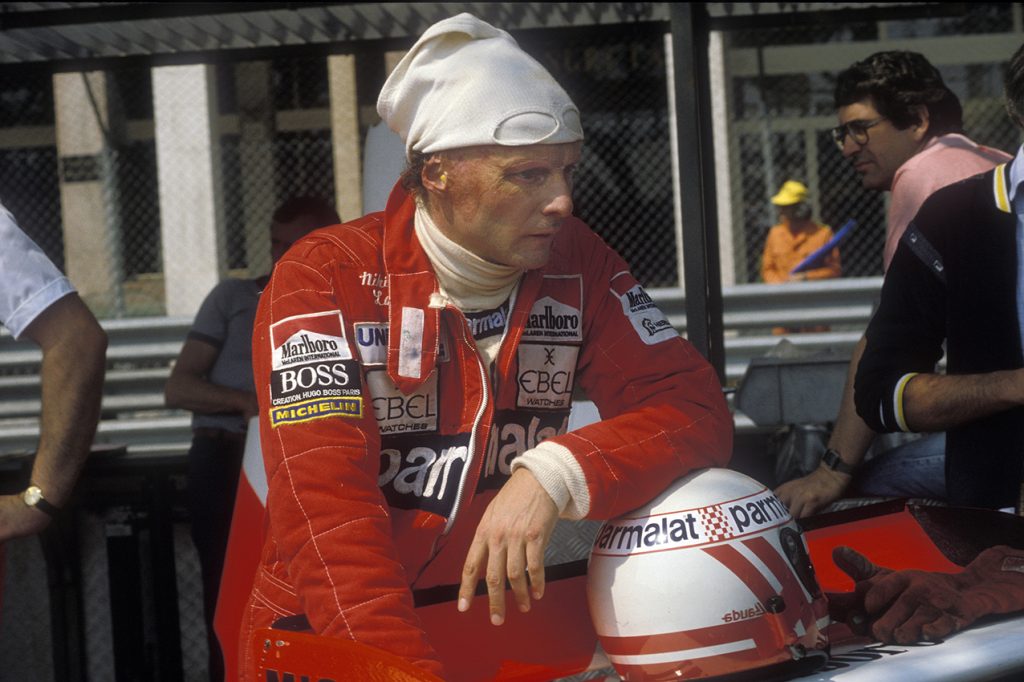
643,313
557,314
313,375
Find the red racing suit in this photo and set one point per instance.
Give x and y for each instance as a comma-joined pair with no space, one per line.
385,436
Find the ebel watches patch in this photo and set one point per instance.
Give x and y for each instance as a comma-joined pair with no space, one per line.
643,313
313,375
400,413
546,376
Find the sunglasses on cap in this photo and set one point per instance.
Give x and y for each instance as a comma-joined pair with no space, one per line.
857,130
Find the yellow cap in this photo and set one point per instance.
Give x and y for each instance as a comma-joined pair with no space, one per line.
792,192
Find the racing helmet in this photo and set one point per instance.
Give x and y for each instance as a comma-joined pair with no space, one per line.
710,580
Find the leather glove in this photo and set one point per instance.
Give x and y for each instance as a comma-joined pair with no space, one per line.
905,607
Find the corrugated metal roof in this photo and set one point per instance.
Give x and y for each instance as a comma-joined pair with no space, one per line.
61,31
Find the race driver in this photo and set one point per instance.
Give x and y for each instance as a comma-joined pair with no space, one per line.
415,368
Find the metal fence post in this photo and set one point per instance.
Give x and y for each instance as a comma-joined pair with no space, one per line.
689,25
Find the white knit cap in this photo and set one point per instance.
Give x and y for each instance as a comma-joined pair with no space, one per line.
466,83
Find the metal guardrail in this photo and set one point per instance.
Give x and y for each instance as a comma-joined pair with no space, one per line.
751,306
141,350
751,310
139,356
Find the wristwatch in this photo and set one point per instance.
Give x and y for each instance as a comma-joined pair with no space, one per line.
33,497
833,461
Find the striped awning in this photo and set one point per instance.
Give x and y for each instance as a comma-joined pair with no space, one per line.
62,31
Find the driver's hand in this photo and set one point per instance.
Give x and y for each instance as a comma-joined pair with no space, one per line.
811,493
509,543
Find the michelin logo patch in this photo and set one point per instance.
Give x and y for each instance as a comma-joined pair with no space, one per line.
313,375
643,313
400,413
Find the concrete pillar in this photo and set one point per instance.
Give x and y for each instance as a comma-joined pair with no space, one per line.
720,118
348,181
383,154
673,140
88,127
256,154
189,176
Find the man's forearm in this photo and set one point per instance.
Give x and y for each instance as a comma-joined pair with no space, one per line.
937,402
851,437
72,385
194,394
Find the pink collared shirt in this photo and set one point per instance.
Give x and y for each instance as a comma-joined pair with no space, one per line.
944,160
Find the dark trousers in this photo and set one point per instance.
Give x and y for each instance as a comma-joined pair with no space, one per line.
214,463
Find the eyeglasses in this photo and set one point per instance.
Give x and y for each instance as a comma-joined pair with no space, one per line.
858,130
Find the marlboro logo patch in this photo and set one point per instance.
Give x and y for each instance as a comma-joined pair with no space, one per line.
313,375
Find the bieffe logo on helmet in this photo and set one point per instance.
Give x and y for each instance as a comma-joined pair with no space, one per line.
692,527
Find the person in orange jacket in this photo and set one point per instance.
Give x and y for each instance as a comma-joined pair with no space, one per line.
795,238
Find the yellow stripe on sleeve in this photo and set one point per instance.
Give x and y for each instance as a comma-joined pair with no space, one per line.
897,400
999,187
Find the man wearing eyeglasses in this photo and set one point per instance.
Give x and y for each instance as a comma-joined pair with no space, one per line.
902,129
956,284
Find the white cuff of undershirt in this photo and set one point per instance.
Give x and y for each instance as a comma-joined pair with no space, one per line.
560,475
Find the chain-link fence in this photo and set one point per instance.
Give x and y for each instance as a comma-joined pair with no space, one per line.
81,170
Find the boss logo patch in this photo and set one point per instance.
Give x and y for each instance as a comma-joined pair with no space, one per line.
313,375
